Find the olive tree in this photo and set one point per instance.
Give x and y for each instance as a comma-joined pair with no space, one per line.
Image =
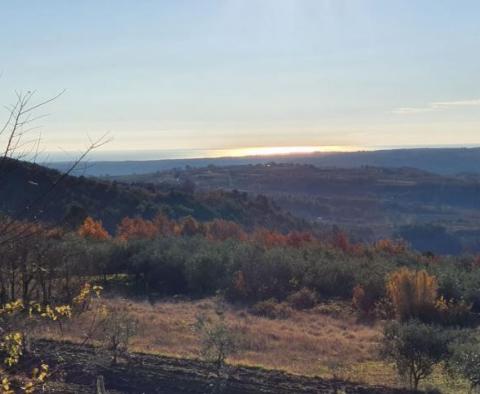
415,348
465,363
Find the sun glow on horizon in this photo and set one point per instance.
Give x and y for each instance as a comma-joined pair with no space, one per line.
199,153
288,150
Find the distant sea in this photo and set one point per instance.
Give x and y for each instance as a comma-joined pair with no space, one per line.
126,155
165,154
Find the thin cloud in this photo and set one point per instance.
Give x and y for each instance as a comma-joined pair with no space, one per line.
437,106
461,103
412,110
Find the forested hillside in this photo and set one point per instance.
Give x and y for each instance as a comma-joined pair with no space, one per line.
30,191
433,212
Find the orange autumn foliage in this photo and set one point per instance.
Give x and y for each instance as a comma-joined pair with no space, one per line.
221,230
298,239
165,226
389,246
190,227
412,293
268,238
358,295
341,241
136,228
93,229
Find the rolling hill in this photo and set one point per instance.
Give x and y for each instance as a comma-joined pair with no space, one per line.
433,212
30,191
447,161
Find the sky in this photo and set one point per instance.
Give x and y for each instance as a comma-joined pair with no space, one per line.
227,75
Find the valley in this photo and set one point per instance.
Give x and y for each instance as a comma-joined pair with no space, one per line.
432,212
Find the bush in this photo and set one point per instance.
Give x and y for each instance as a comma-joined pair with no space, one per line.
415,348
205,272
413,294
267,273
118,328
330,276
452,313
217,339
362,301
336,309
271,309
383,309
303,299
465,363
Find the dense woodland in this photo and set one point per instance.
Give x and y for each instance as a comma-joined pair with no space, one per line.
431,212
168,257
26,187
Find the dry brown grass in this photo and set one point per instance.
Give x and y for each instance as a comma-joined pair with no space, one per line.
324,341
308,342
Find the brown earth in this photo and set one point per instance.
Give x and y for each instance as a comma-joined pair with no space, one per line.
80,366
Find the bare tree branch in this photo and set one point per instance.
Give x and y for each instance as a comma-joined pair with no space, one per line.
14,130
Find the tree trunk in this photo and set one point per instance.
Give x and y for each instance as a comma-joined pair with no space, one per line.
101,385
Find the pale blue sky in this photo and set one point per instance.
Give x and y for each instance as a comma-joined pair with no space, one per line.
240,73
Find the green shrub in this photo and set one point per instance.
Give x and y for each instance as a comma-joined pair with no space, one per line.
465,363
218,340
271,309
453,313
303,299
415,348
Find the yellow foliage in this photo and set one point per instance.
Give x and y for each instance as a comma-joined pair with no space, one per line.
86,293
413,293
12,307
40,374
6,386
453,311
64,311
11,342
441,304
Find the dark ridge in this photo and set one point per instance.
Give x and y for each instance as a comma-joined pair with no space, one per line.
68,203
438,160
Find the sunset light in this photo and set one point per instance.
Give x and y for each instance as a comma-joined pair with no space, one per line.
240,196
288,150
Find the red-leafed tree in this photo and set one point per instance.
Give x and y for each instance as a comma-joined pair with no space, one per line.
269,238
297,239
221,230
341,241
93,229
389,246
136,228
165,226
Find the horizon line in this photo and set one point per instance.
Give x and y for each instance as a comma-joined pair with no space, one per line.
239,153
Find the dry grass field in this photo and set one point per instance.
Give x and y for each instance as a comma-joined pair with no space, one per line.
325,341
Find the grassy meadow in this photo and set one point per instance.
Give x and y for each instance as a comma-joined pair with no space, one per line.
327,341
